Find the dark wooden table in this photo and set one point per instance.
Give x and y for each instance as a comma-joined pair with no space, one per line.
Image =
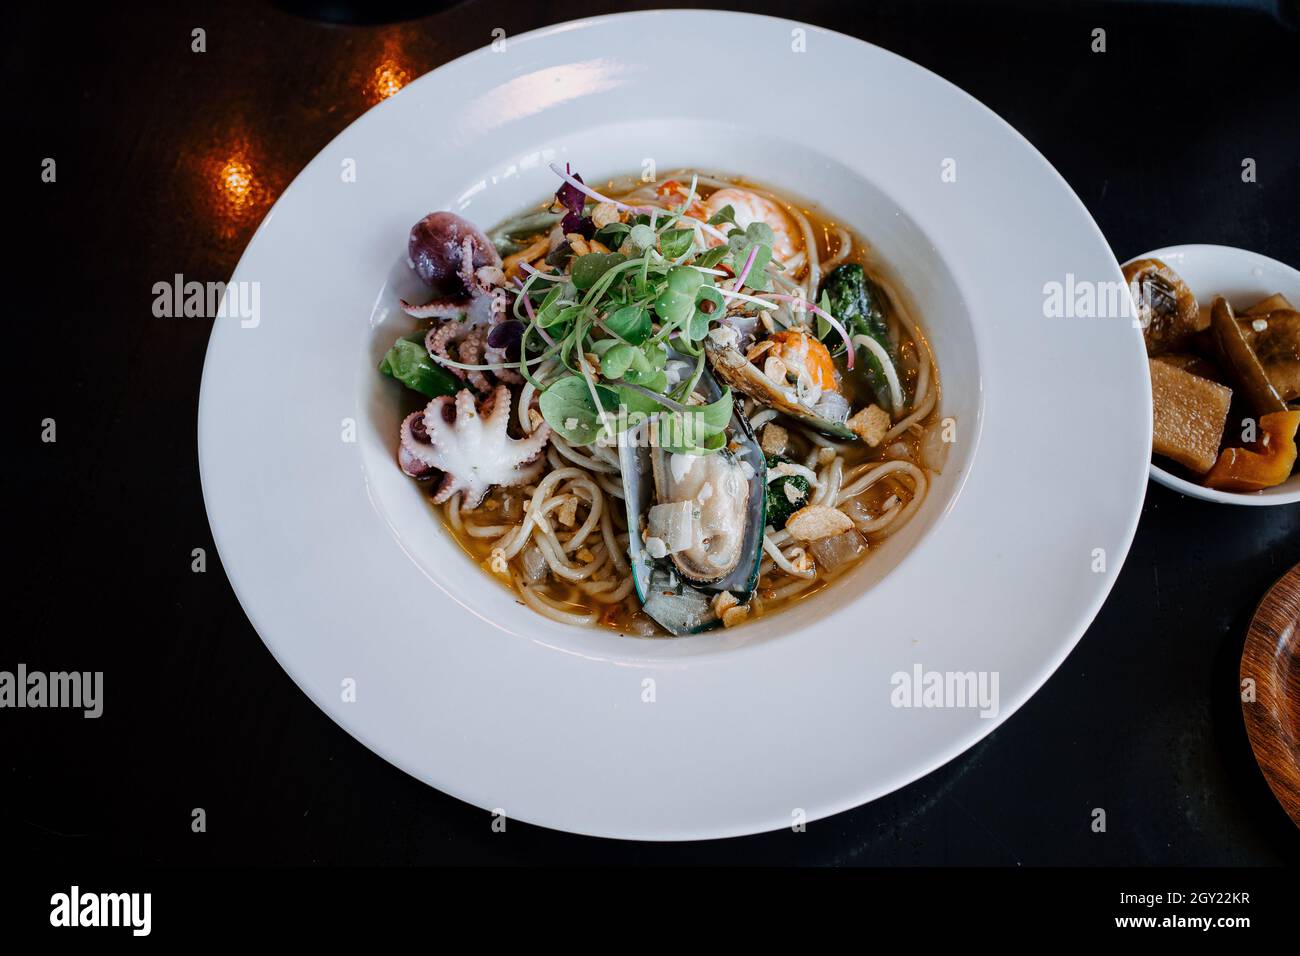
166,161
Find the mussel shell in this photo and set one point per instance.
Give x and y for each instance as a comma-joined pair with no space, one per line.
677,604
701,565
731,366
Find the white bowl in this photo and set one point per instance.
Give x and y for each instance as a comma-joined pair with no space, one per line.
357,589
1243,278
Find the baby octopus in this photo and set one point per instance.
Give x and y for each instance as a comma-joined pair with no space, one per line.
462,267
469,444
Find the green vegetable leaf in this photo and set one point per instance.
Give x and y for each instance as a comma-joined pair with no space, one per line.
612,235
758,237
676,303
824,328
700,430
683,280
642,236
548,314
717,415
642,362
567,406
675,243
632,322
698,326
849,295
589,268
618,360
856,301
409,362
781,504
761,233
571,313
725,214
636,402
655,380
711,258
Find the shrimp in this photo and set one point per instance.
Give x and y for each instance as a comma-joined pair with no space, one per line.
751,207
672,193
803,355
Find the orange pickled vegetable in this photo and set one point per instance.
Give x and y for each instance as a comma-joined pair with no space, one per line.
1266,463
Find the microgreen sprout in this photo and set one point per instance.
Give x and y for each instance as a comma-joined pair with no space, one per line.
599,331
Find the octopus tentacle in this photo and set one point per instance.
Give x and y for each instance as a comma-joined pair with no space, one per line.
437,341
446,307
415,453
508,375
466,271
471,350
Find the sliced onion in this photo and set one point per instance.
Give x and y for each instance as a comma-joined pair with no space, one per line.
934,450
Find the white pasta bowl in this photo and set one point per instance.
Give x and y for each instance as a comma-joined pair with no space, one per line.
374,611
1243,278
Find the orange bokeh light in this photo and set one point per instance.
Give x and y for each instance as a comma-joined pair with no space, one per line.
238,193
388,77
236,181
392,69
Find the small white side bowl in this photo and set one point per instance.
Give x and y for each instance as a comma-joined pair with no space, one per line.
1243,278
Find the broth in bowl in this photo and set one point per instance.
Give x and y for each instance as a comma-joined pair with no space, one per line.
664,407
